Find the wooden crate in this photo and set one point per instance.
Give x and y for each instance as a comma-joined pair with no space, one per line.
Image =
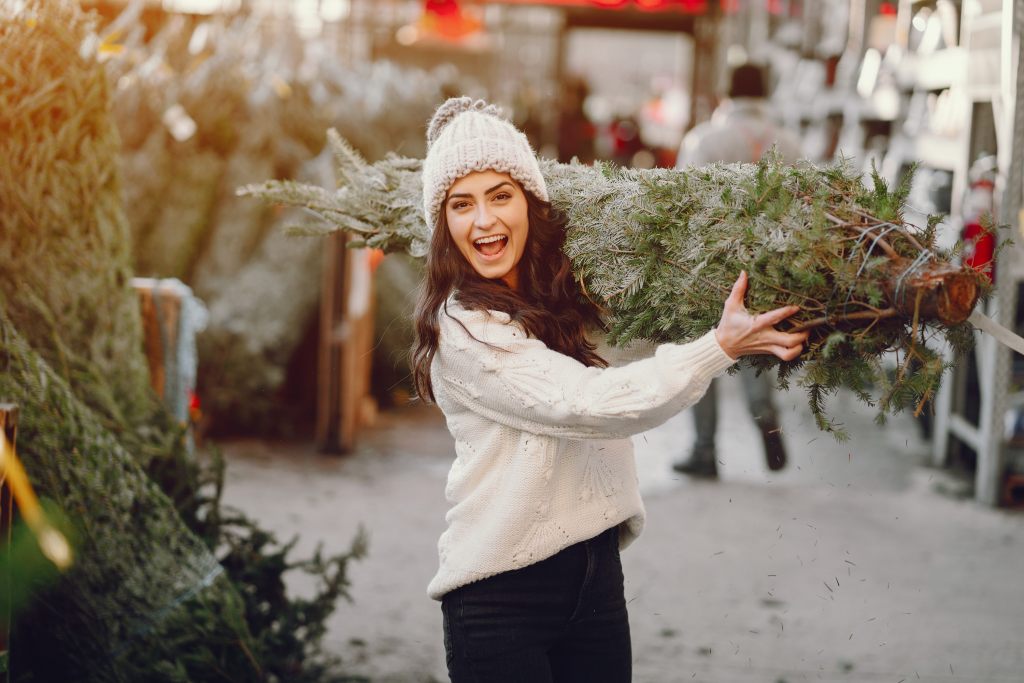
171,318
160,313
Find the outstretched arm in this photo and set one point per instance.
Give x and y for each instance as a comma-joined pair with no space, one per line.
493,368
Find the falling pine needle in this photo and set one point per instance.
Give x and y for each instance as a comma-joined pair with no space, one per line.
52,542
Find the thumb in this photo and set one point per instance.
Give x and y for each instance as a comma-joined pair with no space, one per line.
739,290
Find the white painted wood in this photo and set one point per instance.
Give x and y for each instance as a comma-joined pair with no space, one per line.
993,359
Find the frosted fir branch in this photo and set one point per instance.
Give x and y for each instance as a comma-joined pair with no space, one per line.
658,249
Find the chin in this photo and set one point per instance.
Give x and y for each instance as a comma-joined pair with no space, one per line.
497,275
492,272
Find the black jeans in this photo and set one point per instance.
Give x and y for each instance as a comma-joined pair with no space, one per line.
560,620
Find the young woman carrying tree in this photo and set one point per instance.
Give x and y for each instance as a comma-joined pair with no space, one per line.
543,489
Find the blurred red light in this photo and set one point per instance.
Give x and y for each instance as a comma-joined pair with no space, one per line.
441,8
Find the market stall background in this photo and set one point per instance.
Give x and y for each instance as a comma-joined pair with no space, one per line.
209,95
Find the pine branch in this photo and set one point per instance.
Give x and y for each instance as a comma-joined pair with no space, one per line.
871,316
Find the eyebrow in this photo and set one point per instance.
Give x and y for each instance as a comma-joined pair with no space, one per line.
488,191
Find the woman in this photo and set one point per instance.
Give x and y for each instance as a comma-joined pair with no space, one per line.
543,488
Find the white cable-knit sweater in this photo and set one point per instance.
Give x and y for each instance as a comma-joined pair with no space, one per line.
543,455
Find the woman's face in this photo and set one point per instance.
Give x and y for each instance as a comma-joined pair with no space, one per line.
487,218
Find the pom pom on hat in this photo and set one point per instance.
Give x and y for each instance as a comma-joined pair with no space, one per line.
466,135
452,108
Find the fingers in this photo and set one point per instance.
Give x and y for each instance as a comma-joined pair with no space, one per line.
739,290
773,338
784,345
773,318
749,335
788,352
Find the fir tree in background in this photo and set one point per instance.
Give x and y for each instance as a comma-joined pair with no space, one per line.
207,103
659,250
166,584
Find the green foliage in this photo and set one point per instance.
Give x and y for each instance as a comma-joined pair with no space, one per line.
131,592
146,599
26,570
659,249
383,194
289,629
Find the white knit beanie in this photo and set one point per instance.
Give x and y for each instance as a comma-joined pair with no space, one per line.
466,136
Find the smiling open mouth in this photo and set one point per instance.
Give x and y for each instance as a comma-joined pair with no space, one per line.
491,246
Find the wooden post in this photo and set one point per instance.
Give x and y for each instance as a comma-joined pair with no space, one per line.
346,341
331,298
9,425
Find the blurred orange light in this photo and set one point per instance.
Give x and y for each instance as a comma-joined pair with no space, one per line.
444,19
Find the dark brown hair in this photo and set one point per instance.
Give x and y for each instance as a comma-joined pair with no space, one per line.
549,304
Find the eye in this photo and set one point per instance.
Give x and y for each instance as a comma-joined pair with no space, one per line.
458,205
502,196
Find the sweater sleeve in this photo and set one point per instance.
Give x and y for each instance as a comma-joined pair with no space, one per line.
493,368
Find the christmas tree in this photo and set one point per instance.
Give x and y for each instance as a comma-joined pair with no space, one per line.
165,584
659,249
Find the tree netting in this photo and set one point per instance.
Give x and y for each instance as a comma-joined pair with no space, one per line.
659,249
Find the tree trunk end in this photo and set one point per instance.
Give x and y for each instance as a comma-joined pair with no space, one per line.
936,290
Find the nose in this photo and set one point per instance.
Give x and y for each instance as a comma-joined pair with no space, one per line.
484,218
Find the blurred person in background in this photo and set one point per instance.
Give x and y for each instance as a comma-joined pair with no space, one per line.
742,128
626,142
575,130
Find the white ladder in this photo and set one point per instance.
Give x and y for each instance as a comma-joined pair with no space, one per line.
993,360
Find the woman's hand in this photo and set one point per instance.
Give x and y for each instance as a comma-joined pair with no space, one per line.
742,334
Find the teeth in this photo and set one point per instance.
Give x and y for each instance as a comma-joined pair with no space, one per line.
487,240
